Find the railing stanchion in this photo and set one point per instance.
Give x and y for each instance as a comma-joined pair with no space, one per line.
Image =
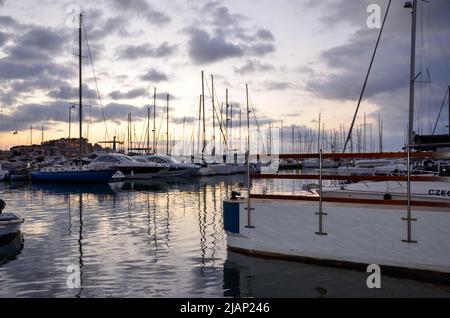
321,214
409,218
249,183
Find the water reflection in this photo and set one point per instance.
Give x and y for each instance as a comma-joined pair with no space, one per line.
157,238
10,247
80,244
64,189
246,276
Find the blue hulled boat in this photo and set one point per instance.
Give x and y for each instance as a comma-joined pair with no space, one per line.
76,174
73,174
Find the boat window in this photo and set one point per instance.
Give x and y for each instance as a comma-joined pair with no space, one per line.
106,159
157,160
123,159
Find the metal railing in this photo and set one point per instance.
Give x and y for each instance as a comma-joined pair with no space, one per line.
409,178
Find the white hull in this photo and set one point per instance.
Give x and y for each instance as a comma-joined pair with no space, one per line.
374,163
204,172
356,233
239,168
177,173
10,223
221,169
314,164
4,175
420,191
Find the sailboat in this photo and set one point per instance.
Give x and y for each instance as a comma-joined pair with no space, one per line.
76,173
4,174
401,223
10,223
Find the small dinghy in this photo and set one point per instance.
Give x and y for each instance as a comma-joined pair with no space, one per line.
10,223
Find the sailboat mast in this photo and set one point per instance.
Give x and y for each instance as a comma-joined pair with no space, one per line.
167,126
248,160
226,116
214,118
240,131
148,129
203,113
154,120
365,134
199,123
80,61
318,134
248,124
412,74
230,142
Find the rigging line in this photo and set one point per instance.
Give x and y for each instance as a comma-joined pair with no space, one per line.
367,78
313,137
218,119
445,55
447,93
145,130
95,79
210,95
257,123
160,126
142,138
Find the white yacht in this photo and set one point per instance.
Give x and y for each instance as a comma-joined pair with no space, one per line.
176,168
314,164
131,168
10,223
391,190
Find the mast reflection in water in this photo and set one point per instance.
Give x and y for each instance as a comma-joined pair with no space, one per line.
154,239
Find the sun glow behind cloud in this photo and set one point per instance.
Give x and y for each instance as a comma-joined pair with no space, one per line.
286,51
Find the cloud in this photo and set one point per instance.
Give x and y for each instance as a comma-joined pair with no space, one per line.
9,22
204,48
277,86
144,9
7,98
12,70
134,93
154,76
252,66
225,35
133,52
388,86
97,29
265,34
30,85
261,49
32,55
67,92
3,38
44,39
181,120
56,112
37,44
23,115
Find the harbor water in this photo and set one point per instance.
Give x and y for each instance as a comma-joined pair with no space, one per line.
157,238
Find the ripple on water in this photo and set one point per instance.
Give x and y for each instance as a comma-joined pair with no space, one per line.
147,240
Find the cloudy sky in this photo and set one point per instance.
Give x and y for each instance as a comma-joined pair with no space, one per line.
299,57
